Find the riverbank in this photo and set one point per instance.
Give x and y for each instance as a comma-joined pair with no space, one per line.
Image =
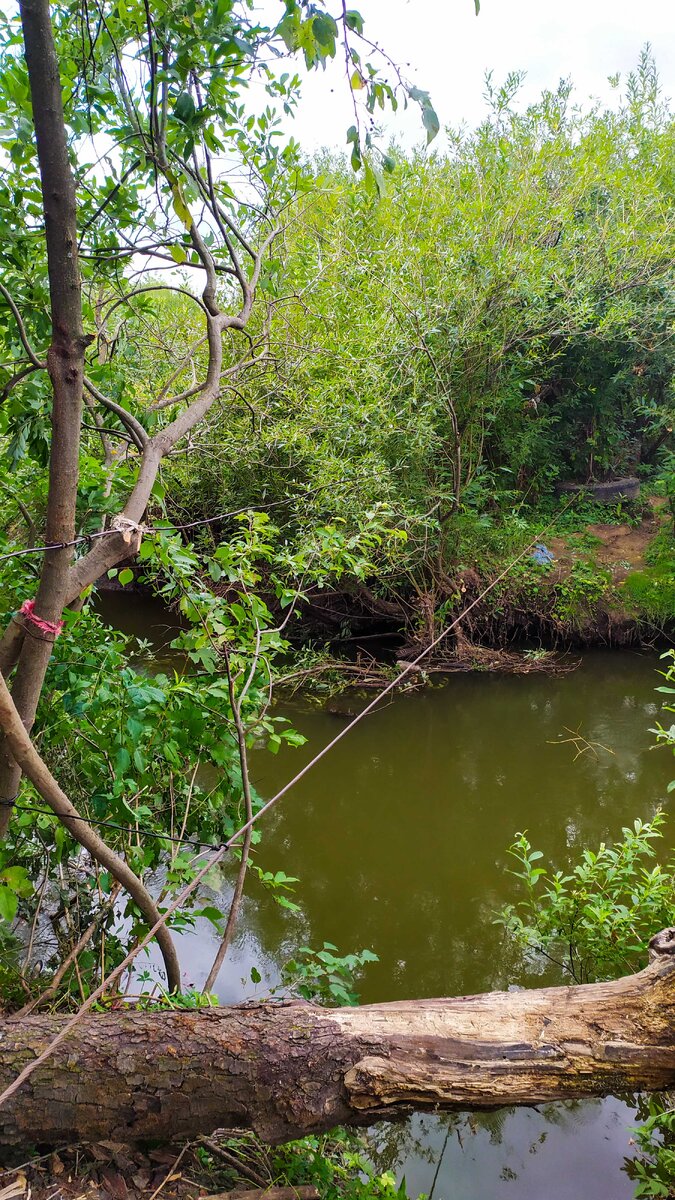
596,584
601,584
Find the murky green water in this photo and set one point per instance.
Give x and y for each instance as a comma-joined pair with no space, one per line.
399,837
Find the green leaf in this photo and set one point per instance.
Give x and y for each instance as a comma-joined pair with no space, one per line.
288,30
211,914
180,208
184,109
374,179
122,761
430,122
126,576
256,977
293,737
17,879
9,903
419,96
178,254
353,20
325,31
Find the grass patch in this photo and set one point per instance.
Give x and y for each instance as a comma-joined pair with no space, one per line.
652,592
660,552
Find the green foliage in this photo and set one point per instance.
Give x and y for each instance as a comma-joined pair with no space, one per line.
652,590
495,322
661,550
652,593
155,758
595,921
441,347
14,884
337,1165
158,1000
666,736
154,754
653,1168
14,987
325,976
581,589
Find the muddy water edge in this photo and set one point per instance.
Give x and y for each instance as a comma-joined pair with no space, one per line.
399,838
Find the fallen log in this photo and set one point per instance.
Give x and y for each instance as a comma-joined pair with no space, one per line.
290,1068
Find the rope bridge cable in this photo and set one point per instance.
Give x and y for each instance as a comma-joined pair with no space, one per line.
103,533
215,858
204,846
56,545
154,529
397,680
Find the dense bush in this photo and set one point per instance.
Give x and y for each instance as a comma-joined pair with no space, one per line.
497,321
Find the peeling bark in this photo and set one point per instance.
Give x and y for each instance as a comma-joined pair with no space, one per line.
288,1069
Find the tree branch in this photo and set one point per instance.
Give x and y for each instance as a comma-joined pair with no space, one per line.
134,427
22,329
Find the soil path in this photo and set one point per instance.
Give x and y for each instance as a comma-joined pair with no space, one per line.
619,547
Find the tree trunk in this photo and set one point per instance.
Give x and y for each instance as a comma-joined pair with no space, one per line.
288,1069
65,363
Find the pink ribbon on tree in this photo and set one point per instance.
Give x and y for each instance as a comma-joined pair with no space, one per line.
51,629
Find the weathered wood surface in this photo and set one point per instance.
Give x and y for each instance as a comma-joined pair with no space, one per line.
286,1069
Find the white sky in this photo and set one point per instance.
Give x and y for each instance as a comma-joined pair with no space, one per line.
449,50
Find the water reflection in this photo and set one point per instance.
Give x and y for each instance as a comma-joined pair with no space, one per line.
519,1153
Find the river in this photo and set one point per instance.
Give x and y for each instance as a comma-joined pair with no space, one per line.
400,836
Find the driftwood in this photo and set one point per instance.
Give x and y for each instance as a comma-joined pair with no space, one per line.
291,1068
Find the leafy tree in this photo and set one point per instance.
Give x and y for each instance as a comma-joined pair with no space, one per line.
140,121
497,321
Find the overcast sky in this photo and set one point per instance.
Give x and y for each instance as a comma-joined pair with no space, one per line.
449,50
